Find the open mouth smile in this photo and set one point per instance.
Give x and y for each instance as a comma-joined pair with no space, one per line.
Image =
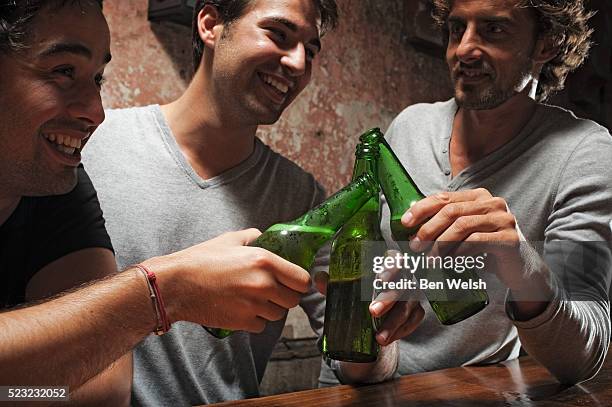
65,148
278,89
64,143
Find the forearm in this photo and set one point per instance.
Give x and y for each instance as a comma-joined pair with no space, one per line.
570,332
570,338
381,370
112,387
68,340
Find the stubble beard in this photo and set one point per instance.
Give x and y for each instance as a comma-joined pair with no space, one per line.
488,96
36,178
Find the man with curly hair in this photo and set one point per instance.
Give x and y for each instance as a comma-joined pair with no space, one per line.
499,165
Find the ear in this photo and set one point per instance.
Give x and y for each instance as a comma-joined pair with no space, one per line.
210,26
545,50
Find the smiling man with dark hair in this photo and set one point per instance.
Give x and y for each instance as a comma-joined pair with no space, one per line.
197,169
52,233
53,56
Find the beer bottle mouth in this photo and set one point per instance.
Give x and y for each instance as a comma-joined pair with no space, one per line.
372,136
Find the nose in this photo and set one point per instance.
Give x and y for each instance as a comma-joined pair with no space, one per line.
86,104
294,60
470,46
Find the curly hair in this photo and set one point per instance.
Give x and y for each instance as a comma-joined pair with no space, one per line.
16,16
232,10
565,21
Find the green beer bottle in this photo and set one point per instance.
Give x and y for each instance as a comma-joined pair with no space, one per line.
450,306
299,240
349,331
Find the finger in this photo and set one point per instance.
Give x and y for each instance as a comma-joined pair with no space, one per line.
397,317
412,323
461,229
382,304
286,297
270,311
429,206
503,238
385,301
287,273
321,279
241,237
255,325
447,216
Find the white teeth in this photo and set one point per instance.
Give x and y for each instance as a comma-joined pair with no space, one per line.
63,142
281,87
67,150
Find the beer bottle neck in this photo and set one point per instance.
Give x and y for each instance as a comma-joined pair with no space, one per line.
341,206
366,163
400,190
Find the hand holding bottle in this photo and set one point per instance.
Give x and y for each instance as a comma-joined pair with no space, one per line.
471,216
224,282
399,316
476,216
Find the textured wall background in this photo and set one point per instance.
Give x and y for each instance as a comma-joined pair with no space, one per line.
365,75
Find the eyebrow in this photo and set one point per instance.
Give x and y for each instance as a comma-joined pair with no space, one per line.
71,48
294,28
487,19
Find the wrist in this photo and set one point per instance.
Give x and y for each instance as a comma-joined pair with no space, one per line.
530,301
169,285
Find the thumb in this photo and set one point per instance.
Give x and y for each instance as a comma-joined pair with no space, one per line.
241,237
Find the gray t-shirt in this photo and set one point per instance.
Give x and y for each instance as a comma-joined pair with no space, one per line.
557,180
155,204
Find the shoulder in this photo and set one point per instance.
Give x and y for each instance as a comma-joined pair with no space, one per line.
118,122
563,131
422,119
120,137
78,208
69,222
113,115
420,127
420,112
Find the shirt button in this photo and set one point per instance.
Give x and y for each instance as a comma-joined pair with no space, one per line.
447,172
445,151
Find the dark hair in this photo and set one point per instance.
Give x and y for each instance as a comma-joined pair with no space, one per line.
565,21
232,10
15,18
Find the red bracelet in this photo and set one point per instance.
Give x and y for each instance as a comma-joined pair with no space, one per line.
163,325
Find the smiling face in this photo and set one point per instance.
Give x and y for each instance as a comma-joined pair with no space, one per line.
263,60
50,100
490,51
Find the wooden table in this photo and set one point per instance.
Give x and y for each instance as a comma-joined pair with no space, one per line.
517,383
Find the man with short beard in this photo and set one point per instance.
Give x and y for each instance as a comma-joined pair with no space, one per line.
498,165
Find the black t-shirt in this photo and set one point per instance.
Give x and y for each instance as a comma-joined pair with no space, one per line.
43,229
